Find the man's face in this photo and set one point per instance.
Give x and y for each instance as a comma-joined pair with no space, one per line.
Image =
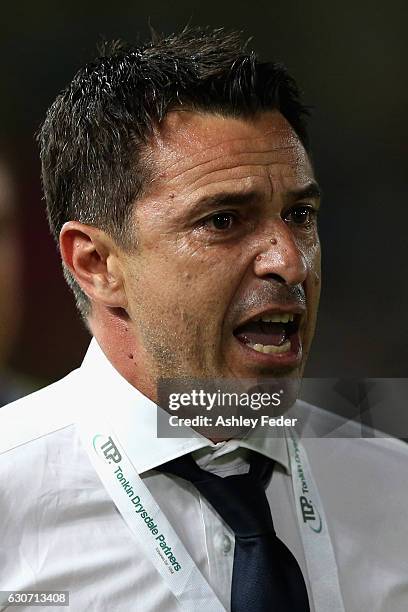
226,234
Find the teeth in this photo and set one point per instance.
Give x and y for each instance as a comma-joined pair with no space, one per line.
277,318
271,348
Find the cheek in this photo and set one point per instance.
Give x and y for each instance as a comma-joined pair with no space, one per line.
309,246
189,264
310,249
314,264
184,284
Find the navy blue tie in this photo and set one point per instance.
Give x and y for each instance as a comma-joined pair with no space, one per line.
266,576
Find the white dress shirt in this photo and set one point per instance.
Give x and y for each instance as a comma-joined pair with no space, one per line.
60,530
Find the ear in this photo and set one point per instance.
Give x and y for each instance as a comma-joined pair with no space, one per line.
92,258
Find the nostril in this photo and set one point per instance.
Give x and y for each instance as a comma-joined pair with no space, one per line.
276,277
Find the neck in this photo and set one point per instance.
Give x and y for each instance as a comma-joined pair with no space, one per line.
114,334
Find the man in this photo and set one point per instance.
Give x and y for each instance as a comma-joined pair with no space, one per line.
180,188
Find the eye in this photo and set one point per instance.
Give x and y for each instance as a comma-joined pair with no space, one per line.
221,221
301,215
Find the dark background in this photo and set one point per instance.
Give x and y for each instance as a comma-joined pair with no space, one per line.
350,60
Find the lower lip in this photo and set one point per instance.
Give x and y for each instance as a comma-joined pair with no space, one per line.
292,357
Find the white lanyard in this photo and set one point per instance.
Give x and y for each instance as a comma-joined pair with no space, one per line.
163,547
320,560
148,523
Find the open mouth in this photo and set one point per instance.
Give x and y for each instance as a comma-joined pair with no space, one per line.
272,334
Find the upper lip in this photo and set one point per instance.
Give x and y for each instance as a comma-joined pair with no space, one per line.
295,309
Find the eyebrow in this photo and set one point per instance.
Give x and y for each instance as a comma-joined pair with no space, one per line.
311,190
223,198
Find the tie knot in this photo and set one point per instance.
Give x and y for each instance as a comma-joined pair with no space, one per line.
239,499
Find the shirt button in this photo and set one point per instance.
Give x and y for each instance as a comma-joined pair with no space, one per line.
226,544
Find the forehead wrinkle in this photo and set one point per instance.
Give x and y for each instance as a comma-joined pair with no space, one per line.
202,182
238,185
229,165
264,165
230,146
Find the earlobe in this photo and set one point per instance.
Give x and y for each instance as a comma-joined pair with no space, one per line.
92,258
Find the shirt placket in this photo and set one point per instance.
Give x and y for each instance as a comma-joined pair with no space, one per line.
219,539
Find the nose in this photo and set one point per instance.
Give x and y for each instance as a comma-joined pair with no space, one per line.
280,257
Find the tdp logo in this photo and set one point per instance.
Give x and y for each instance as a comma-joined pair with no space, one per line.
109,449
309,514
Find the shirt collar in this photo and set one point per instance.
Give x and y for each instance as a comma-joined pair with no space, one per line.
133,417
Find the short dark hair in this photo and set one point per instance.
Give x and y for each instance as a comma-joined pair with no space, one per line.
95,133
